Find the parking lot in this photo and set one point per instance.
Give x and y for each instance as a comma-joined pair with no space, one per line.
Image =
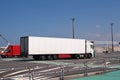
29,69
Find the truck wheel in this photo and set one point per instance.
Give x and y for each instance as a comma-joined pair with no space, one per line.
86,56
3,56
81,55
90,55
55,57
77,57
36,57
43,57
49,57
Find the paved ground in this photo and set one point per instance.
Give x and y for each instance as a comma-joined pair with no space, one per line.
19,68
115,75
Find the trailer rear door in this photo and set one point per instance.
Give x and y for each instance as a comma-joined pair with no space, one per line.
24,46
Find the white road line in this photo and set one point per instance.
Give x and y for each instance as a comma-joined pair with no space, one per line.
2,71
50,69
22,77
21,71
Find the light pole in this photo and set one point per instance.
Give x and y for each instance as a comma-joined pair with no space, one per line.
73,19
112,37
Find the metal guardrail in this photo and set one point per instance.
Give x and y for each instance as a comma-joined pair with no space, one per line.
61,71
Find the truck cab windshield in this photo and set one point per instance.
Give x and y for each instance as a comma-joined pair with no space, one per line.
7,51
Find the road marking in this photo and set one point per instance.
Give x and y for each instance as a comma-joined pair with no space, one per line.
50,69
20,71
2,71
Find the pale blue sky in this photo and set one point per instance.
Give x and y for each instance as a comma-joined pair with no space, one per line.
52,18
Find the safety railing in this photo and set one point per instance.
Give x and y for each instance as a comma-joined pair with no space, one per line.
79,68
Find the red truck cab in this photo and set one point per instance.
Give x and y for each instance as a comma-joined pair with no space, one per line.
12,51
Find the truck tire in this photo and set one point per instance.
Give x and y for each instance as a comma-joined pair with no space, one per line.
86,56
81,56
43,57
55,57
77,56
36,57
3,56
49,57
90,55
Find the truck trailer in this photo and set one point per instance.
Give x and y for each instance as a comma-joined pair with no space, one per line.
42,48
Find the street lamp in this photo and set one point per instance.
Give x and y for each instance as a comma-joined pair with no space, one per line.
73,19
112,37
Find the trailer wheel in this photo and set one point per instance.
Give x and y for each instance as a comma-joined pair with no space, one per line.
55,57
49,57
43,57
77,56
81,55
36,57
86,56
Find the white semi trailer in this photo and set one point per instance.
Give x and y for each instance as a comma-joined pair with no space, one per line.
42,48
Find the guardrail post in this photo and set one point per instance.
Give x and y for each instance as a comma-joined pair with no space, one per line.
62,73
119,60
85,69
29,72
32,74
104,67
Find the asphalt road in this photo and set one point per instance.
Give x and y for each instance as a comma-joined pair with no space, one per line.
19,68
